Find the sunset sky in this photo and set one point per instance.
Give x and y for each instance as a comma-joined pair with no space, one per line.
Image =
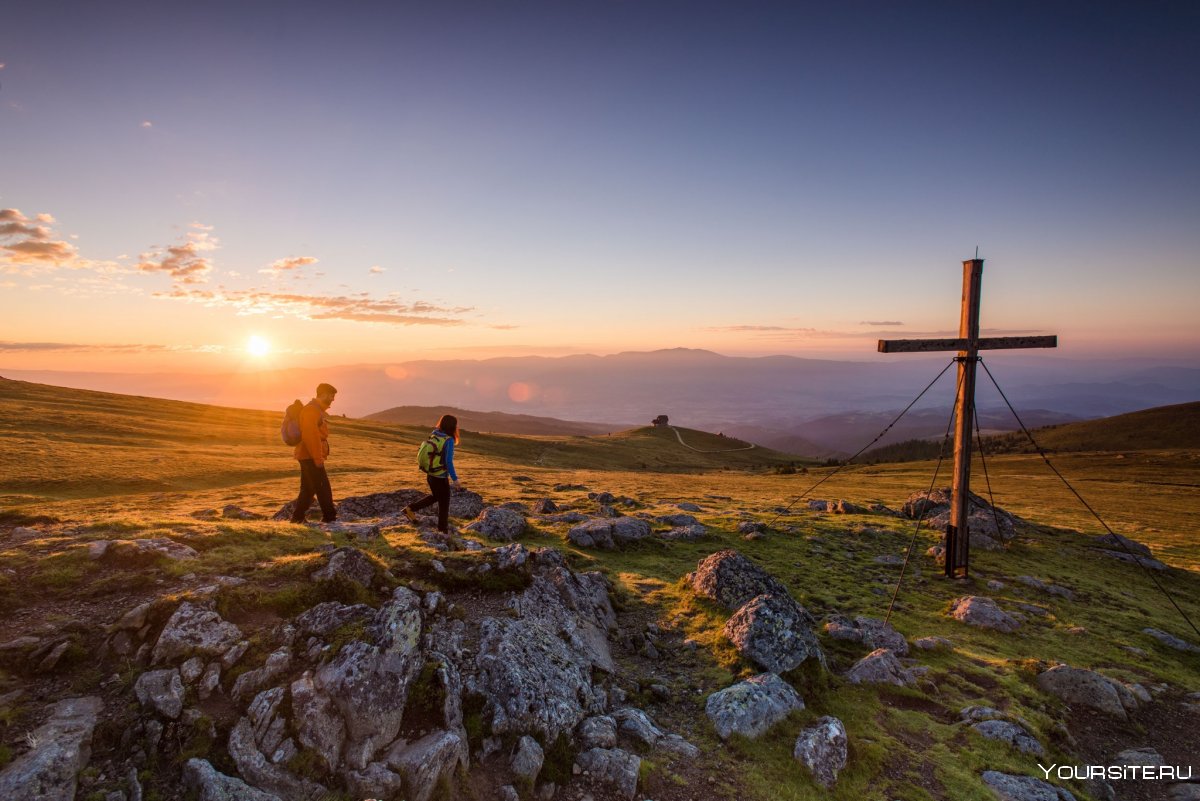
363,182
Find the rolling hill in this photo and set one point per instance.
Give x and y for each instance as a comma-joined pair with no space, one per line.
1160,428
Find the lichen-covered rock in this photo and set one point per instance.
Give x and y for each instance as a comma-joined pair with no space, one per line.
574,605
1010,733
614,767
49,771
161,690
1088,688
609,533
348,563
375,781
194,630
316,721
684,533
501,525
982,612
258,770
880,667
822,747
325,618
427,762
527,760
870,631
774,632
637,725
203,780
752,706
731,580
598,731
369,679
513,556
249,683
1023,788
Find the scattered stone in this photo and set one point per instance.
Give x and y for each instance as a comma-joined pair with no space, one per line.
774,632
1171,641
363,532
545,507
995,586
513,556
880,667
937,553
636,724
599,731
1143,561
195,630
61,748
233,512
348,563
1010,733
1139,756
978,713
1088,688
202,779
162,690
846,508
677,520
822,749
1115,542
498,524
731,580
608,533
747,527
464,504
140,553
612,766
983,612
687,506
1051,589
527,761
685,533
1023,788
752,706
933,643
870,631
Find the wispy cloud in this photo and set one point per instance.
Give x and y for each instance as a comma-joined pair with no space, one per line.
376,270
185,262
360,307
891,323
26,241
49,347
147,124
292,264
784,333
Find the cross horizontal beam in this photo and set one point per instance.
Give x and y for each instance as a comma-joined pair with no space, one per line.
989,343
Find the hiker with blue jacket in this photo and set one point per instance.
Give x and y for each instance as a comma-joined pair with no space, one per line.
436,459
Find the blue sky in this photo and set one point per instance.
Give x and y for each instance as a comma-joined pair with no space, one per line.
476,178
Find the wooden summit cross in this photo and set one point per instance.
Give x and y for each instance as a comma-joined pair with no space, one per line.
968,345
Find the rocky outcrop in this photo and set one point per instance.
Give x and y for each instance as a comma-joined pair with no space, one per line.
751,707
501,525
822,748
982,612
774,632
162,691
1088,688
1023,788
731,580
195,630
427,762
599,731
49,771
609,533
203,780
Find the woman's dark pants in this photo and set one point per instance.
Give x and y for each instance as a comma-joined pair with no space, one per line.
439,493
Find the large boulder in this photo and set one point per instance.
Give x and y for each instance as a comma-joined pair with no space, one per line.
368,681
731,580
1088,688
982,612
194,630
203,780
880,667
614,767
609,533
496,523
822,749
752,706
1023,788
49,771
774,632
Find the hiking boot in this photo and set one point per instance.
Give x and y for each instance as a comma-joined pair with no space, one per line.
410,514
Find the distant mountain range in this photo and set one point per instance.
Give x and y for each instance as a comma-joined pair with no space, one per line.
813,407
494,422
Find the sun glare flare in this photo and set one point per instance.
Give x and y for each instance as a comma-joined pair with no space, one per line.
257,346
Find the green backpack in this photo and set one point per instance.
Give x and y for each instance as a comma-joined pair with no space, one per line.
431,455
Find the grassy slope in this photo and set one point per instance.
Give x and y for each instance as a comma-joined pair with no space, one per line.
183,457
1161,428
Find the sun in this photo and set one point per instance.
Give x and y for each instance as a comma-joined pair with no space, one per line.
257,346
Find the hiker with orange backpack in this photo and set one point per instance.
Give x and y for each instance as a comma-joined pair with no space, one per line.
307,429
435,457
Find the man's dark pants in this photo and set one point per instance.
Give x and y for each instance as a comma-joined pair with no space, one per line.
439,493
314,481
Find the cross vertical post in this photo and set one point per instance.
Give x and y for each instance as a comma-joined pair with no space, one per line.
958,539
968,344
